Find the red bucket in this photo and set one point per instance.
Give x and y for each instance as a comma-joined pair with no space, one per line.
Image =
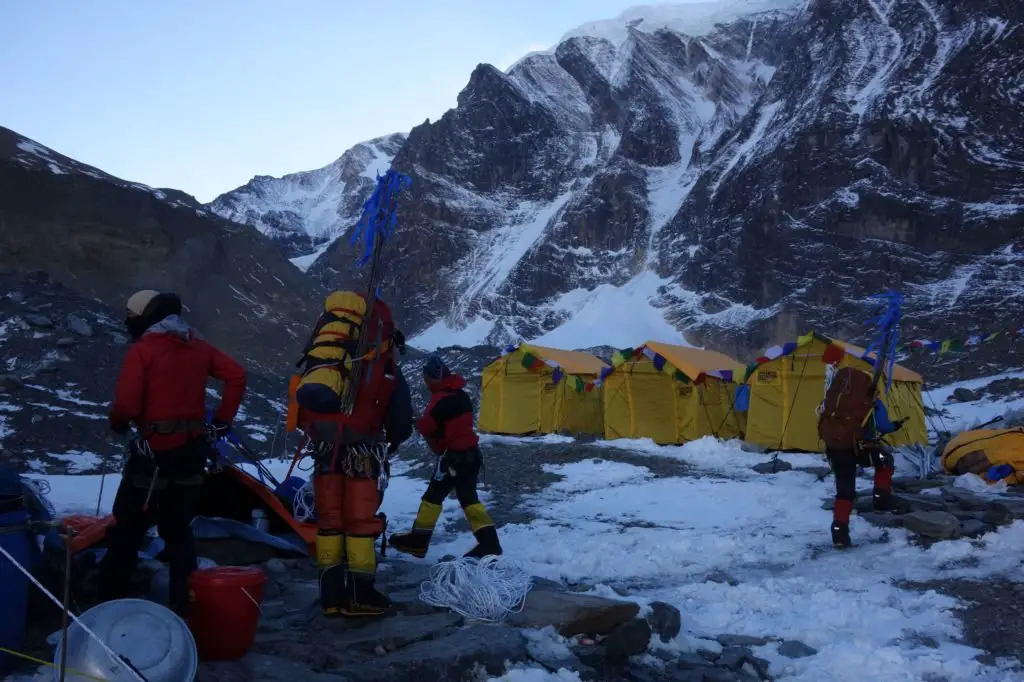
225,610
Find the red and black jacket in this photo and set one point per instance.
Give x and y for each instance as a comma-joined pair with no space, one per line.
447,423
163,380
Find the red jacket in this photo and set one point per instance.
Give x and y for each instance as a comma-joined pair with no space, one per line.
447,423
163,378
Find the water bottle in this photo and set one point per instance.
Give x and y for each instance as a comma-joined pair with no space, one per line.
260,521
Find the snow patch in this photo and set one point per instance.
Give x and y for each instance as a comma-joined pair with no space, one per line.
305,262
440,335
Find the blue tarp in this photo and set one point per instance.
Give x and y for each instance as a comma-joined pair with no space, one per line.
742,403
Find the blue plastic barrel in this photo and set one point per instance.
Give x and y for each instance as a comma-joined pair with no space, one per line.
14,538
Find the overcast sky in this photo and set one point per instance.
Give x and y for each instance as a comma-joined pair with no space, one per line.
201,95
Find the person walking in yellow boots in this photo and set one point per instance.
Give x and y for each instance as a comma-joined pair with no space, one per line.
351,447
447,426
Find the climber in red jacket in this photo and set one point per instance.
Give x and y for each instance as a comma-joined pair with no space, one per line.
162,391
447,426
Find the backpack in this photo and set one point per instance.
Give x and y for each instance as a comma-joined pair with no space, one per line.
848,404
327,363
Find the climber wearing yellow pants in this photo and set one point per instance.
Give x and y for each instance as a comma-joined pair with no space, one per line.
447,426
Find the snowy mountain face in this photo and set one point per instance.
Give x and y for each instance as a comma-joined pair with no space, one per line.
304,212
737,172
105,238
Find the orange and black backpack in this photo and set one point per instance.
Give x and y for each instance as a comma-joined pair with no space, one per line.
849,403
327,363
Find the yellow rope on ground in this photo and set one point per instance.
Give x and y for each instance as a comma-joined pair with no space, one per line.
40,661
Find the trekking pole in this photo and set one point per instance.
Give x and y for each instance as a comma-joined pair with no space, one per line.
149,493
67,601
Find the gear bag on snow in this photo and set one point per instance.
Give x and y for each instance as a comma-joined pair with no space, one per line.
327,363
848,405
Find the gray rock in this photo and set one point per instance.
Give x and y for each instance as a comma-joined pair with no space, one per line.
998,515
965,395
965,499
720,576
591,654
916,485
975,529
733,657
820,472
883,520
449,658
9,383
721,675
932,524
772,466
276,566
686,675
665,620
79,326
66,342
967,515
396,632
573,614
556,661
907,502
41,321
629,639
16,297
742,640
756,668
688,661
710,655
794,649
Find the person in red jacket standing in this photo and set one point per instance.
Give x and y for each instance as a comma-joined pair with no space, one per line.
447,426
162,391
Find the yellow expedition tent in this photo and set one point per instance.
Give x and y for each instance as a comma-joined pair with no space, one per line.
979,450
672,394
532,389
788,384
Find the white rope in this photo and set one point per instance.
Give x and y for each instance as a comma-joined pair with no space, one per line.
113,656
489,589
304,504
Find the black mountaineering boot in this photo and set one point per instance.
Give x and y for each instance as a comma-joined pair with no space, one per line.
362,597
414,543
486,543
882,500
841,535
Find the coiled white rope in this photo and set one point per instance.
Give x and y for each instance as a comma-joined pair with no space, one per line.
489,589
304,504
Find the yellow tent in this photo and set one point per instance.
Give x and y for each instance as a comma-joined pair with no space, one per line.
980,450
541,390
789,384
666,393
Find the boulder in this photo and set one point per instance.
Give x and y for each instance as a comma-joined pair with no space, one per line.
733,657
794,649
975,529
629,639
965,499
79,326
573,614
448,658
772,466
913,503
934,524
66,342
9,383
665,620
965,395
16,297
998,515
688,661
720,576
41,321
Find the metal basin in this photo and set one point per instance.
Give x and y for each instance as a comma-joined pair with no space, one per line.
156,641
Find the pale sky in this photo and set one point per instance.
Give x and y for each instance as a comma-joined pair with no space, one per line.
200,95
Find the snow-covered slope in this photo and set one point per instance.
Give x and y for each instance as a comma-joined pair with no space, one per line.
739,171
306,211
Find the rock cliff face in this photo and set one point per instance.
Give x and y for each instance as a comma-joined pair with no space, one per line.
105,238
737,171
